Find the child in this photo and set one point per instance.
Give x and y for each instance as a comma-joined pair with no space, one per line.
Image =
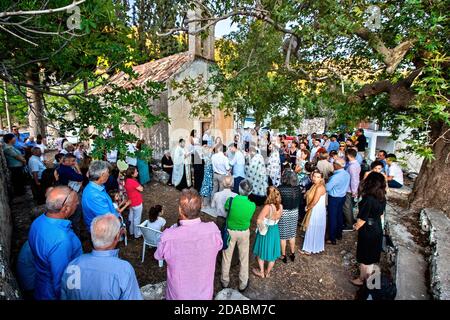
119,204
155,221
134,192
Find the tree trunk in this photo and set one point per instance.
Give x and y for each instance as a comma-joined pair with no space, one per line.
432,186
36,118
8,116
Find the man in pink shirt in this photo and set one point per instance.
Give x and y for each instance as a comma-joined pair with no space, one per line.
190,251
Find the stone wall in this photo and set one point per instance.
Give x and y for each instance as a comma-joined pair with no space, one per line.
8,285
157,137
308,126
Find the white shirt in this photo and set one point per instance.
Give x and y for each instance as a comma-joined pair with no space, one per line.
219,200
238,163
43,148
396,172
220,163
158,224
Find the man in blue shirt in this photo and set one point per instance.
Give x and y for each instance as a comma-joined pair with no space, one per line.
334,145
238,165
68,171
381,156
337,188
101,274
19,144
70,175
95,199
53,242
26,271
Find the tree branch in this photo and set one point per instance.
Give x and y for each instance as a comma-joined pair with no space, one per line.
391,57
400,93
39,12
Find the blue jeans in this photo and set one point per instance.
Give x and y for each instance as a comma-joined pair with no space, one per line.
237,181
394,184
335,217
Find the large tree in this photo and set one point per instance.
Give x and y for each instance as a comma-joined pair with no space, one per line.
394,69
54,57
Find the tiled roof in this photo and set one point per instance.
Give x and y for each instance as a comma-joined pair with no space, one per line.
158,70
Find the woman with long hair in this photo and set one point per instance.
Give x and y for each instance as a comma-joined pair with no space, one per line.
315,220
134,191
368,224
302,159
267,242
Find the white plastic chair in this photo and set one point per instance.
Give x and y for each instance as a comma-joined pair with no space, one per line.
151,239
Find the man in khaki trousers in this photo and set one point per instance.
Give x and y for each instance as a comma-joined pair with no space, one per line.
240,214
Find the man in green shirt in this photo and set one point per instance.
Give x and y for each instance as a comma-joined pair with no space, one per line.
238,222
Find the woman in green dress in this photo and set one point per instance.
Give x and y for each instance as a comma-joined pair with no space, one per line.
267,243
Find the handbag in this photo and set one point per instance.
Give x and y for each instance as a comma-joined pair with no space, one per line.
263,227
224,232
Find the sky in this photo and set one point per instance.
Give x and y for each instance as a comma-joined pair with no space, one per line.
224,27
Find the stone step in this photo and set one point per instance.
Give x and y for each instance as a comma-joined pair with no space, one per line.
438,225
399,196
411,266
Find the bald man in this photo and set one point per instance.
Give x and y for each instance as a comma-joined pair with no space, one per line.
101,274
53,242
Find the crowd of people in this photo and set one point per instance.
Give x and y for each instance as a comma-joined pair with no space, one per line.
306,186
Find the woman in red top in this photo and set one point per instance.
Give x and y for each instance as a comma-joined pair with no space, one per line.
134,192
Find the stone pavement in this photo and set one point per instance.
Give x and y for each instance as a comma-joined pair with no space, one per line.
438,225
411,264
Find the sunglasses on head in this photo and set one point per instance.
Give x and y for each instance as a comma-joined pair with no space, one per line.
65,200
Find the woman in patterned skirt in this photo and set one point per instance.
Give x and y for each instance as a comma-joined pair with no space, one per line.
257,175
290,196
274,166
207,185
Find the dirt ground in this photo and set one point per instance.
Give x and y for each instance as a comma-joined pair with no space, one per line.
322,276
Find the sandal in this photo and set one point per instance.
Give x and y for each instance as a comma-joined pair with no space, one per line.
267,275
283,258
306,253
292,257
257,273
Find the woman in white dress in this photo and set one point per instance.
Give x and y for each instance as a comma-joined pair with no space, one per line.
315,219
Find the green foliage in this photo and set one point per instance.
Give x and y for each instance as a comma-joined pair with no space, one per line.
61,63
112,110
251,76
